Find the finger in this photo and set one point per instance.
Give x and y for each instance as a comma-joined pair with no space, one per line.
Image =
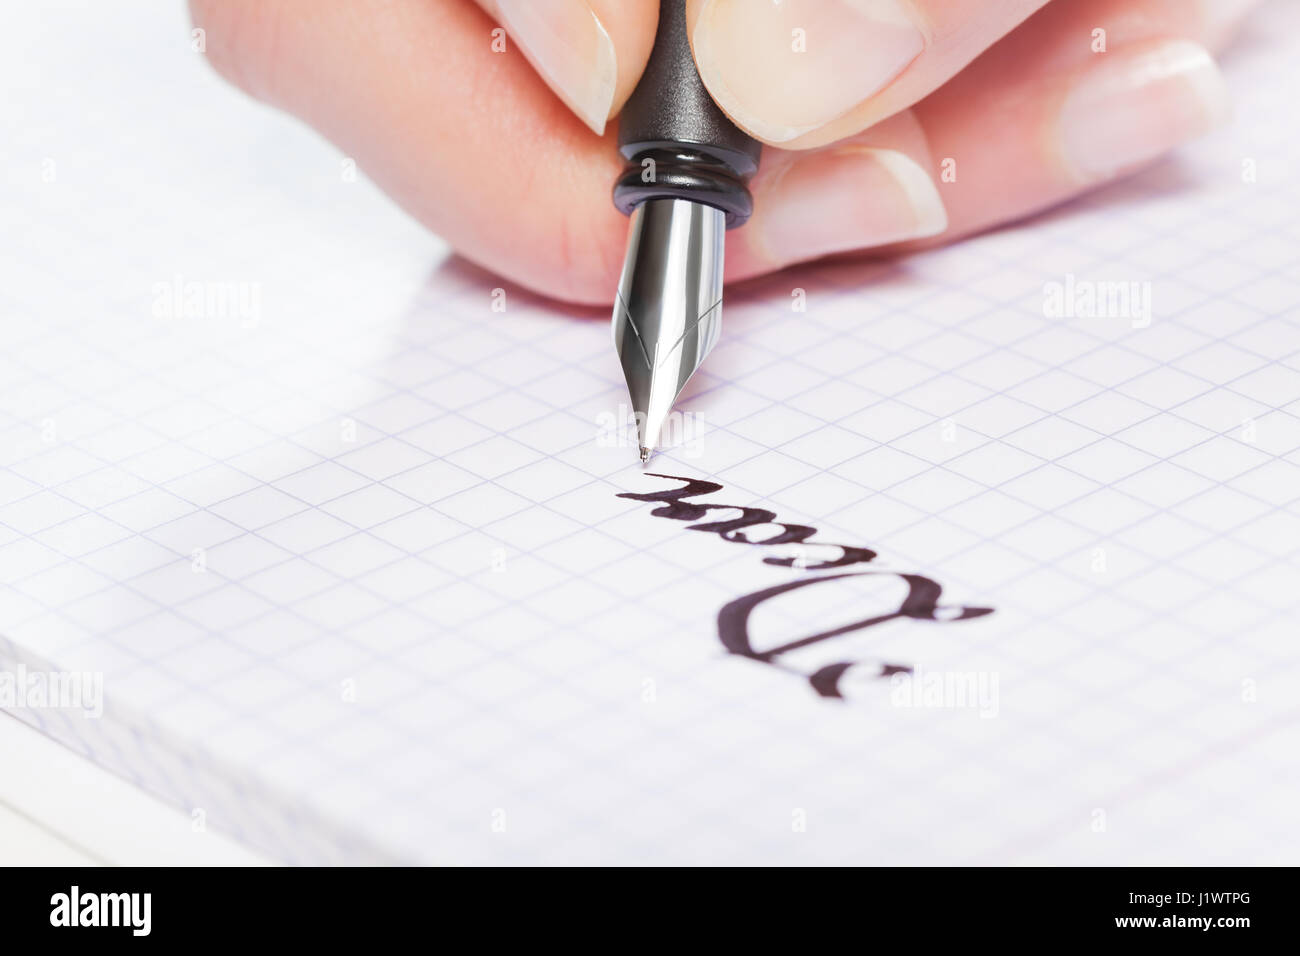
1068,118
802,73
470,141
590,52
1050,118
872,189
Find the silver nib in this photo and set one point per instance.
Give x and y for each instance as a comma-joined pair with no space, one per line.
669,309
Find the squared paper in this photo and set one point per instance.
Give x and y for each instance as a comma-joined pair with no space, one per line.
358,580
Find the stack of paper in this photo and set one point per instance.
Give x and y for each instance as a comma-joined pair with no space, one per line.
953,566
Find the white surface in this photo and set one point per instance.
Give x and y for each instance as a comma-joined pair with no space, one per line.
384,486
57,809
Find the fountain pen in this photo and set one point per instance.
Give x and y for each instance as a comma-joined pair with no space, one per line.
683,186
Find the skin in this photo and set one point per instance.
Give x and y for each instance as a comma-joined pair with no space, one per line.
479,148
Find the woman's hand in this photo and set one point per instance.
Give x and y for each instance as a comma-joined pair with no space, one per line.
887,121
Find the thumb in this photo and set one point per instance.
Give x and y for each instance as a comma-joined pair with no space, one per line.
589,52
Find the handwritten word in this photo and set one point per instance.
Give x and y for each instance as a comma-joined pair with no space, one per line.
920,603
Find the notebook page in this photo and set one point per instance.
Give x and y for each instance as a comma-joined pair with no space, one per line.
942,565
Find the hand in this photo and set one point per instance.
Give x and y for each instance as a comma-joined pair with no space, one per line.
889,122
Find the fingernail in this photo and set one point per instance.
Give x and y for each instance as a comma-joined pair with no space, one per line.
1129,108
567,44
784,69
845,198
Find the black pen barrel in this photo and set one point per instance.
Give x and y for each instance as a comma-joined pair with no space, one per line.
677,141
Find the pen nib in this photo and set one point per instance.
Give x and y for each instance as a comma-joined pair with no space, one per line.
669,309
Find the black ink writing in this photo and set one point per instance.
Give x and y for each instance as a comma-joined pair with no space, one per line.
675,506
920,603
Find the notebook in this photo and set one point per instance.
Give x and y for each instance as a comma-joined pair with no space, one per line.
340,544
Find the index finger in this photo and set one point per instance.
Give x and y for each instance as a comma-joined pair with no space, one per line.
589,52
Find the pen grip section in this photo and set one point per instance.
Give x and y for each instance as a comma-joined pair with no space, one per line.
669,172
678,143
